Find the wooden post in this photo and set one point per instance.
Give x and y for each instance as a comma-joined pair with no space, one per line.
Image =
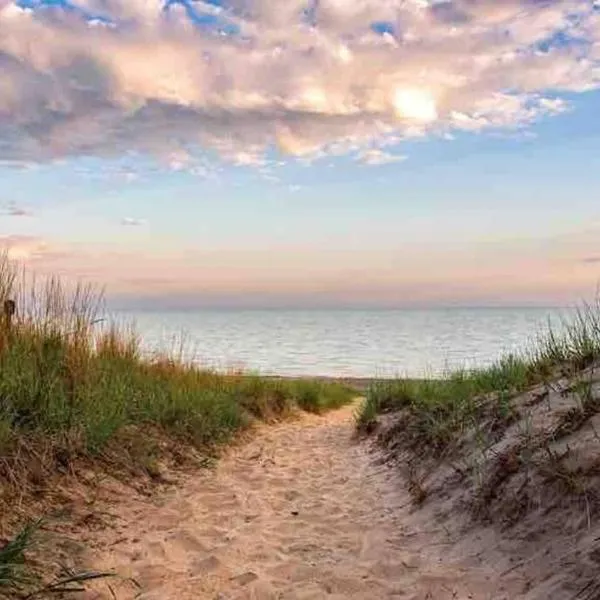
9,310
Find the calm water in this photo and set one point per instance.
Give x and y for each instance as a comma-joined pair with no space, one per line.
343,343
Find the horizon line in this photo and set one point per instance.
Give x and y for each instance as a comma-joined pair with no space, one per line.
229,308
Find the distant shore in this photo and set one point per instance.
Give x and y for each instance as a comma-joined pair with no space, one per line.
358,383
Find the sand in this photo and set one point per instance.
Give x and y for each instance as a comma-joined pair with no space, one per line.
303,511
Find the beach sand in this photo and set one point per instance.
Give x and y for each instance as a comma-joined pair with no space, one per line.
303,511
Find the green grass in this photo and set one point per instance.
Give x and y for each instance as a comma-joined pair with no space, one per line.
75,387
439,411
72,385
14,574
20,579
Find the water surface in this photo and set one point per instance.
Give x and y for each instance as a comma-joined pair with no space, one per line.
352,343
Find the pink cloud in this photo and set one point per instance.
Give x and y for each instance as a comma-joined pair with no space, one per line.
397,272
144,79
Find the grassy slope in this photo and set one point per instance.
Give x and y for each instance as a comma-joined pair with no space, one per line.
517,445
442,410
73,388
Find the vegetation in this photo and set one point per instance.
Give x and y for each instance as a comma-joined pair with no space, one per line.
19,579
66,375
440,411
511,437
76,388
13,572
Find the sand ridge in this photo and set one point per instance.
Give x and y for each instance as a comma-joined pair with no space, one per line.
301,512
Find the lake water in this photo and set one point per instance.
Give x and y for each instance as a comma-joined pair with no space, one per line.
350,343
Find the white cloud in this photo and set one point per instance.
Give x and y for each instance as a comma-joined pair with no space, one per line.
375,157
129,176
136,78
130,222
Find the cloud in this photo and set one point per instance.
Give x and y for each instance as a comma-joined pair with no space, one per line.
375,157
106,78
18,211
591,260
396,273
128,175
23,247
130,222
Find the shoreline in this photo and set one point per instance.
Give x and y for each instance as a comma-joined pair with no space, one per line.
361,384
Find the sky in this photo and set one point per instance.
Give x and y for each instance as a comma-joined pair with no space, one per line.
304,153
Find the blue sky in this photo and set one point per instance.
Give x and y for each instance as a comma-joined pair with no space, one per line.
448,155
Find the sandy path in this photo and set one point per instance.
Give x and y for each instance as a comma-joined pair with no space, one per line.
302,512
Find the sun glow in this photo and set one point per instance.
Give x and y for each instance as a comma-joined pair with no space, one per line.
415,104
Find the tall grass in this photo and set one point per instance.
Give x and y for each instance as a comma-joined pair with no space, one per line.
75,387
440,410
72,384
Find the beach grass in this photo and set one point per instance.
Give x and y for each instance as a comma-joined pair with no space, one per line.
77,381
76,387
20,579
14,572
440,410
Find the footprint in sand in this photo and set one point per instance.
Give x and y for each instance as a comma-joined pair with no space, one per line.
317,521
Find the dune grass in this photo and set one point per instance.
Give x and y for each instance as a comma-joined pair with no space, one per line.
19,579
71,383
13,570
441,410
74,387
